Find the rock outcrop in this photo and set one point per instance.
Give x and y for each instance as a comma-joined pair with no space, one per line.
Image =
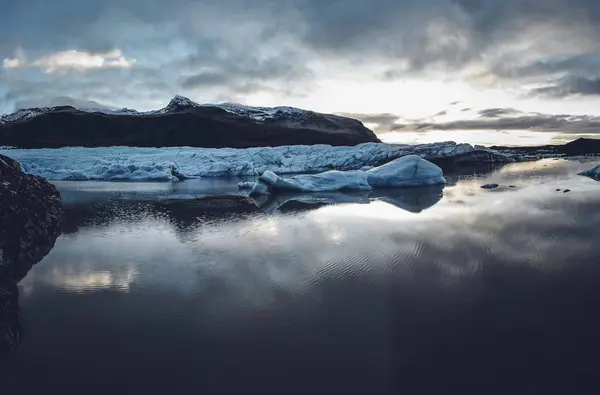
181,123
31,215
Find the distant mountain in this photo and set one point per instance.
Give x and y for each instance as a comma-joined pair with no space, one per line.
181,123
581,146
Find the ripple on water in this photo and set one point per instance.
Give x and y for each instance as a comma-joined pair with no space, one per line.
337,287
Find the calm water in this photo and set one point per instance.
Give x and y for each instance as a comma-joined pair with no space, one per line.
475,292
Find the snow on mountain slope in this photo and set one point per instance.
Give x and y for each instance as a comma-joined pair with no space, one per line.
172,164
176,104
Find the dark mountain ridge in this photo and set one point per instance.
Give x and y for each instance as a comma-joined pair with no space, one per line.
181,123
580,146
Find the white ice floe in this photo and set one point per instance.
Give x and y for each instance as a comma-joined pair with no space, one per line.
593,173
174,163
408,171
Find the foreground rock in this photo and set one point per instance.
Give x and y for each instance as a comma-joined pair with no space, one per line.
593,173
181,123
172,164
408,171
31,215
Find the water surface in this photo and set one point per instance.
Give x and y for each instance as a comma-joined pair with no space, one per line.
475,292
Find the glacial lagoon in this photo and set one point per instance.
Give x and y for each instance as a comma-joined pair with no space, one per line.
185,288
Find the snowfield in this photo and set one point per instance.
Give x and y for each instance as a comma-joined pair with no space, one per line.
173,164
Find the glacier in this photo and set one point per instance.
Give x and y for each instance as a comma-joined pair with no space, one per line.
177,163
407,171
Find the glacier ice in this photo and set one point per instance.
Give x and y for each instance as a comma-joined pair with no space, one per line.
407,171
175,163
333,180
593,173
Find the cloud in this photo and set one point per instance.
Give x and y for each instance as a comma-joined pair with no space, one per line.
381,123
492,119
497,112
515,120
147,88
62,101
570,86
73,60
13,63
239,70
231,49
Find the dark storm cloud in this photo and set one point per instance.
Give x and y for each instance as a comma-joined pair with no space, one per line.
495,119
497,112
205,78
380,119
384,122
521,121
233,68
240,45
418,31
570,86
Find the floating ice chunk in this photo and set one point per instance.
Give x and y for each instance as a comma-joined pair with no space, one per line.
408,171
328,181
333,180
593,173
269,178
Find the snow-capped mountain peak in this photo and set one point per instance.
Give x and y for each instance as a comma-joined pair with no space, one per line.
177,103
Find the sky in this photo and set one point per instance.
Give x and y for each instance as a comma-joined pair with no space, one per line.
512,72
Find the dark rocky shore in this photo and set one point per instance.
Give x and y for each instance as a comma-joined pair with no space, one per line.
31,216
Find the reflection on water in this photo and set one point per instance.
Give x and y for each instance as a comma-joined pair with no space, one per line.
481,292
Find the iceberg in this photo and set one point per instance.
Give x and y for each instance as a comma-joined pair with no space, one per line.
593,173
408,171
176,163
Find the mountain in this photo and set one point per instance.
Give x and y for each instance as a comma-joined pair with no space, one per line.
581,146
181,123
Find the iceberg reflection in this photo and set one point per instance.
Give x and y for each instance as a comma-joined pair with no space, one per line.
414,200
